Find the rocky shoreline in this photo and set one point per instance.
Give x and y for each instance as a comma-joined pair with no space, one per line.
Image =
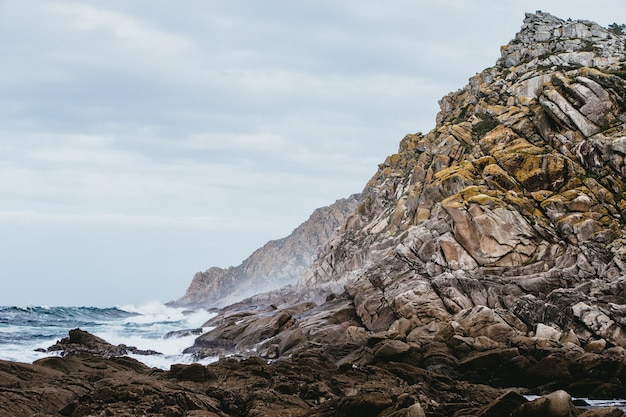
88,378
485,261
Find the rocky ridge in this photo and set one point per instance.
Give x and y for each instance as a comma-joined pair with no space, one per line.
276,264
512,204
489,250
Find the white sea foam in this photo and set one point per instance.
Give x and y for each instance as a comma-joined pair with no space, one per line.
621,404
22,330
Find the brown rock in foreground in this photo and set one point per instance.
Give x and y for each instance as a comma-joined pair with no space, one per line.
311,383
84,384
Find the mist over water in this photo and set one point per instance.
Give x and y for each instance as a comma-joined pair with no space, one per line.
25,329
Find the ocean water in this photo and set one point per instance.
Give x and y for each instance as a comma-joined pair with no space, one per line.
25,329
621,404
591,404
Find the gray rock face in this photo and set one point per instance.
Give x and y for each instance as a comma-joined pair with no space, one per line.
547,41
508,218
276,264
490,250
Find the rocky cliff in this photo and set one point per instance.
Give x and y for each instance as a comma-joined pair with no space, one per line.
276,264
490,249
511,208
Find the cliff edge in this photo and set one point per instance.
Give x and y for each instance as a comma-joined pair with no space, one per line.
491,249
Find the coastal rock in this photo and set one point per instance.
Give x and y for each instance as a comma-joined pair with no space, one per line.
555,404
503,405
80,341
182,333
604,412
88,384
490,250
507,219
485,256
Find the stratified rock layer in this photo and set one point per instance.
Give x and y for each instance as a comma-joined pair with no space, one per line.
510,213
493,246
276,264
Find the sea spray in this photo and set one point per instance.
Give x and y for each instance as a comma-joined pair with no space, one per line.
25,329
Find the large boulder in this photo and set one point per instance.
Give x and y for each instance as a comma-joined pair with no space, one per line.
555,404
80,341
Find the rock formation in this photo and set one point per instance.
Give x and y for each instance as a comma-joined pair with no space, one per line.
511,209
486,259
80,341
490,249
276,264
86,382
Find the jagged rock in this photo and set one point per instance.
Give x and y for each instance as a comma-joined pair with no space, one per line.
390,348
512,203
595,346
503,405
547,332
491,249
600,323
182,333
555,404
487,251
603,412
80,341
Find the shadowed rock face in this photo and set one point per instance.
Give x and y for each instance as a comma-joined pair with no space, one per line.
276,264
88,385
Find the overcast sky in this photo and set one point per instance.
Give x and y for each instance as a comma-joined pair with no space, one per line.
144,140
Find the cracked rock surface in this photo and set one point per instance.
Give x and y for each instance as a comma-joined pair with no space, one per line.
494,244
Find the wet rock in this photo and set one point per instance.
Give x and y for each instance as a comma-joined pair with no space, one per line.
368,405
194,372
80,341
603,412
595,346
487,366
555,404
183,333
502,406
390,348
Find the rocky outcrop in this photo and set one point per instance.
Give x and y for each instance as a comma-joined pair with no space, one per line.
489,250
509,215
276,264
80,341
309,384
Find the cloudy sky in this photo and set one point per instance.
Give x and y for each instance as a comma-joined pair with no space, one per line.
142,141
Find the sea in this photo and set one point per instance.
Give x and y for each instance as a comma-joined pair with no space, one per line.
25,329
